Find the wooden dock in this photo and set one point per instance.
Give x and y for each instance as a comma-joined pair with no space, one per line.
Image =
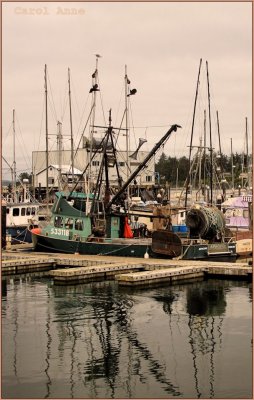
75,268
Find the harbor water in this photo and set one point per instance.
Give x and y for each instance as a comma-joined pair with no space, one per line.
99,340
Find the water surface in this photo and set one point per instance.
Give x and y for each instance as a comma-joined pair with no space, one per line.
103,341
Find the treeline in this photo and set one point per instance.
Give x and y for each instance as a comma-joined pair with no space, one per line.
175,170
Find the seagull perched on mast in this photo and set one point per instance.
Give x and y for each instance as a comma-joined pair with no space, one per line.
94,88
97,55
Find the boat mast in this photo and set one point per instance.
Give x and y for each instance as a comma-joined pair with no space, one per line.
247,152
14,175
232,165
94,90
204,171
72,148
47,138
192,129
59,149
127,134
210,131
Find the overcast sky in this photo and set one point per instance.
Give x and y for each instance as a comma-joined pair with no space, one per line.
161,44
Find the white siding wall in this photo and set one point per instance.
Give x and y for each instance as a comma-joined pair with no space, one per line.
39,164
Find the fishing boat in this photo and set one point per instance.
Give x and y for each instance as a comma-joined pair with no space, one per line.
238,216
22,211
21,218
87,223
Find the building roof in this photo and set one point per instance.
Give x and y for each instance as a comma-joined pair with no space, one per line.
65,169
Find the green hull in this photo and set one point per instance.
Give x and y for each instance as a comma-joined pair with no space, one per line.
127,248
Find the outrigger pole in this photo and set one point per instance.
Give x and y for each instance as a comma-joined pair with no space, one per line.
192,129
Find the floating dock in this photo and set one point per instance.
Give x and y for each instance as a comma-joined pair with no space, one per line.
75,268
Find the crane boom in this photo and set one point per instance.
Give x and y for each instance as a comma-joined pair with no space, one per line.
142,164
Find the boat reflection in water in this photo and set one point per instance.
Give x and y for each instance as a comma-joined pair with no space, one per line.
100,341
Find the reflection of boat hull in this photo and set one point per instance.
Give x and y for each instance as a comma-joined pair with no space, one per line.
136,248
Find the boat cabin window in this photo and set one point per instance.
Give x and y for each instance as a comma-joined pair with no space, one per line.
80,204
58,223
7,211
33,210
79,224
15,212
68,223
28,211
23,211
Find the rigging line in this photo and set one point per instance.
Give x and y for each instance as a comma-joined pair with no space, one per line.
42,121
51,106
75,96
151,126
76,135
25,154
101,100
51,92
8,131
118,133
84,130
65,101
131,115
119,103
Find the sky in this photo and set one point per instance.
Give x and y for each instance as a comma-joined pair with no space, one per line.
159,43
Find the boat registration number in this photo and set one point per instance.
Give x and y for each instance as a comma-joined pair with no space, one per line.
59,232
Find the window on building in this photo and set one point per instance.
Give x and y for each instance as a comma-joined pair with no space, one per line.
15,212
149,178
51,181
121,163
23,211
95,163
